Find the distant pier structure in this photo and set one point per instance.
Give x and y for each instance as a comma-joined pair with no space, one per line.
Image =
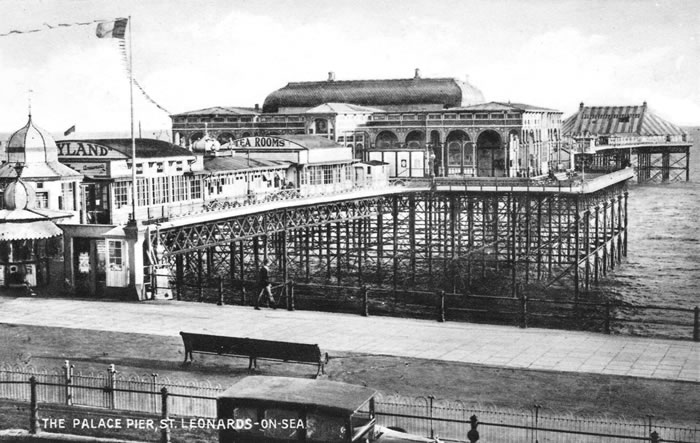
611,137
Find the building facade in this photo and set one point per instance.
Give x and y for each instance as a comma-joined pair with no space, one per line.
419,126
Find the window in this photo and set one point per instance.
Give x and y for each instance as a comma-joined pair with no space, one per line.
481,116
141,194
116,260
218,119
496,116
409,117
195,188
121,197
160,167
68,197
393,116
465,116
379,117
139,168
42,200
625,119
450,116
434,117
327,174
232,120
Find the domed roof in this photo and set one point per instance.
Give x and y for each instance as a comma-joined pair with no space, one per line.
390,94
19,195
31,144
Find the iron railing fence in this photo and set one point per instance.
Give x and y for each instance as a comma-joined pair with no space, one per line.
109,390
451,421
599,316
426,416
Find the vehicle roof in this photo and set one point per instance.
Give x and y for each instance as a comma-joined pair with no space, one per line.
337,397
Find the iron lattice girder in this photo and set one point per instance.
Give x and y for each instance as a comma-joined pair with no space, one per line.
189,238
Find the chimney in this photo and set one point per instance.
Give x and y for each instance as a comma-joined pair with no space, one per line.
580,106
417,74
645,104
257,107
331,76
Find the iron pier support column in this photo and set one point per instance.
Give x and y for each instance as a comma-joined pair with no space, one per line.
612,234
624,251
596,260
587,247
577,246
395,240
605,238
380,240
338,255
514,246
412,236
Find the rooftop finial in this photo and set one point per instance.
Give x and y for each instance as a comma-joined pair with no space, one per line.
29,99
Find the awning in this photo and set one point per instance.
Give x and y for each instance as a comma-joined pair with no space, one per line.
35,230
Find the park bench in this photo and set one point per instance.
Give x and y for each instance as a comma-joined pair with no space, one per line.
561,176
254,349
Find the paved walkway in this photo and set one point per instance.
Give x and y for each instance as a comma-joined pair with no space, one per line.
502,346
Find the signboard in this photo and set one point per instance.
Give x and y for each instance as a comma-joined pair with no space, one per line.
263,142
93,169
87,150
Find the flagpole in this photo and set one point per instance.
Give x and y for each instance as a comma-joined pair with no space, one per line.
133,137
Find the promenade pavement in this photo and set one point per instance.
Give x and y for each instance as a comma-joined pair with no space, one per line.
501,346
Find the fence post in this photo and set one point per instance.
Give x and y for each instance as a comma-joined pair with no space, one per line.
221,291
473,434
68,371
33,407
654,437
441,307
523,310
607,317
696,325
290,297
432,431
165,430
244,300
112,374
365,301
154,389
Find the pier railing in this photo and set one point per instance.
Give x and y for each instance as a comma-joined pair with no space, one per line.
524,310
153,410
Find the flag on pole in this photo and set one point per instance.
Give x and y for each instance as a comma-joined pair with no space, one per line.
69,131
112,29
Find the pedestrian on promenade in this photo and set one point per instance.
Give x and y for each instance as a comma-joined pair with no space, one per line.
265,287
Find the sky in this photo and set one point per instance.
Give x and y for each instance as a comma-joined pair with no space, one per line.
195,54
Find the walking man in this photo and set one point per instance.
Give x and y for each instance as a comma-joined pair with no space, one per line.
265,287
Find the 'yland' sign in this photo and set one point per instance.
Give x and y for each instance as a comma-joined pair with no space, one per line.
262,142
86,149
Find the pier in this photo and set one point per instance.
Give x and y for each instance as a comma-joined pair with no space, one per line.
445,233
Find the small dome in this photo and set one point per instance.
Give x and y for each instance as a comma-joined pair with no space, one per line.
31,144
19,195
207,144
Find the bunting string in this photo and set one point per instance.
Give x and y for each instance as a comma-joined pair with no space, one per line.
50,27
122,46
125,61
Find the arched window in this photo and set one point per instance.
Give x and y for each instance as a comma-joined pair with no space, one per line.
386,140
